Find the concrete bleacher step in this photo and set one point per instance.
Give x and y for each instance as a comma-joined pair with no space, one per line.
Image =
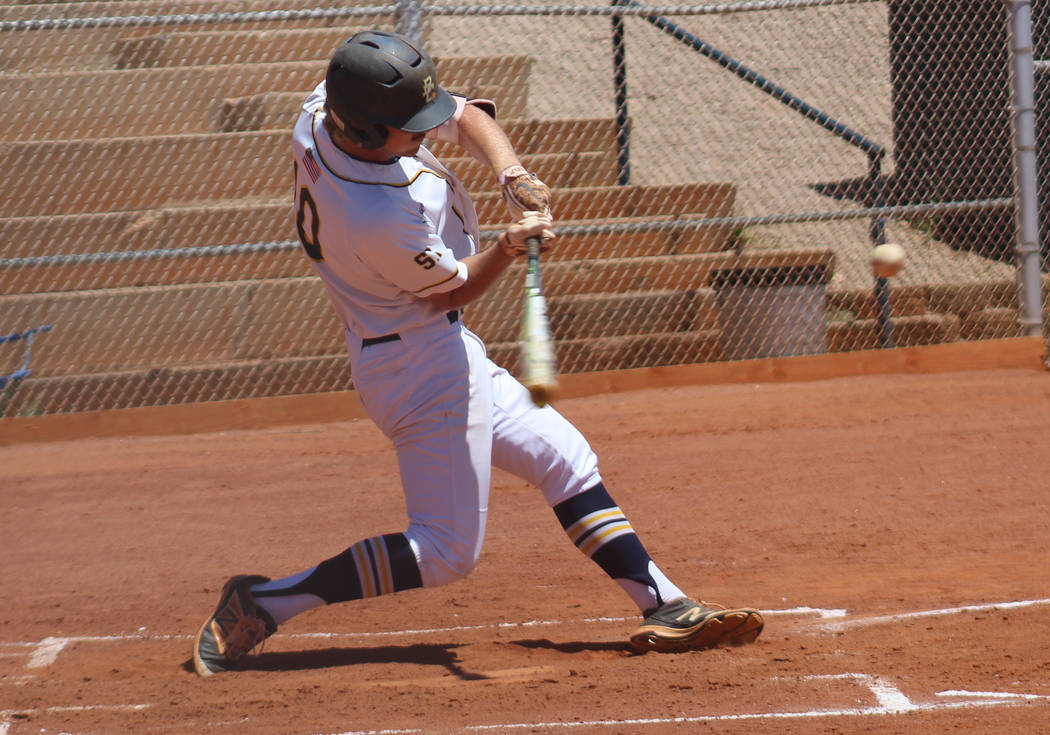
138,102
613,314
503,78
166,238
196,99
181,384
574,286
619,316
128,329
151,172
329,372
626,352
278,375
616,202
227,220
232,222
170,268
291,317
247,167
962,311
256,46
279,336
908,331
653,273
101,46
955,298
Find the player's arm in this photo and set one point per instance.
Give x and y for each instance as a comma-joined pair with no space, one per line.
485,139
485,268
474,127
487,142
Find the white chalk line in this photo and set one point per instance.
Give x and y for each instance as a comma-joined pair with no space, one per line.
897,617
891,701
46,651
74,708
7,714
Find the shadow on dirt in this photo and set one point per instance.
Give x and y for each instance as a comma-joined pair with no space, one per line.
426,654
575,646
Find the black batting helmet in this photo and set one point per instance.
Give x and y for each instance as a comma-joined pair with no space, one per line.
378,78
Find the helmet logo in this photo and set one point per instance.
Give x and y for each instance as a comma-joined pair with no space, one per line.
429,93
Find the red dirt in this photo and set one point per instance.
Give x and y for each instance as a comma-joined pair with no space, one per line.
878,496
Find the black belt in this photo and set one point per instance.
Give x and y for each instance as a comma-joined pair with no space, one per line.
452,316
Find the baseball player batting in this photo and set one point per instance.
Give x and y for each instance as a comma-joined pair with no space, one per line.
393,235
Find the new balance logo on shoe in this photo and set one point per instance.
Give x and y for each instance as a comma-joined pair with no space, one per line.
691,615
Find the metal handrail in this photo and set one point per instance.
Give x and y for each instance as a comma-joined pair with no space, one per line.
874,151
23,371
609,228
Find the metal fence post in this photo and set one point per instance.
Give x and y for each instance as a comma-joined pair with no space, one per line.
410,20
1026,184
877,232
623,122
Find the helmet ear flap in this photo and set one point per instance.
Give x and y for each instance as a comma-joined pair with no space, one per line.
359,129
366,134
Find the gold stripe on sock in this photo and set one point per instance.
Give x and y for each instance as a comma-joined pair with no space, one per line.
364,569
605,535
578,530
385,576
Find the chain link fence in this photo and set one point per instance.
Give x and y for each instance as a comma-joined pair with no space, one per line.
721,175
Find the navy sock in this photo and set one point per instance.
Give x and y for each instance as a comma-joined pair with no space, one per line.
601,531
375,566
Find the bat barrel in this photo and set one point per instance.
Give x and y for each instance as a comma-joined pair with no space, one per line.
539,373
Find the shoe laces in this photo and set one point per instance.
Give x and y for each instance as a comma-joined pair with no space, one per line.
248,634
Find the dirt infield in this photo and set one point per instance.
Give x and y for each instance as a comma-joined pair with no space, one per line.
893,527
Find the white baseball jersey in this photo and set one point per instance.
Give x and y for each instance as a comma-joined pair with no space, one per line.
382,236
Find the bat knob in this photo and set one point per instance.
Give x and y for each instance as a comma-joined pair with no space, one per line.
542,394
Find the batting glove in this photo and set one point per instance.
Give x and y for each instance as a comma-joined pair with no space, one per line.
523,192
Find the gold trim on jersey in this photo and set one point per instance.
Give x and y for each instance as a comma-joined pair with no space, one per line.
320,155
438,283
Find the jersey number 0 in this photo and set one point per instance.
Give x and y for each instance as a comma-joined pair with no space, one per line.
306,209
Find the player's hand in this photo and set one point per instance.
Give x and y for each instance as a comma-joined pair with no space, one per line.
532,224
523,192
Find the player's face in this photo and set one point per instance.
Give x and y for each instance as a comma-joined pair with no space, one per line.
402,143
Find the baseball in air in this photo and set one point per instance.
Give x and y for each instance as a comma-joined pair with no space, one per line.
887,260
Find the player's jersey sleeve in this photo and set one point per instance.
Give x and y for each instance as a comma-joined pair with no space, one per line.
410,254
449,130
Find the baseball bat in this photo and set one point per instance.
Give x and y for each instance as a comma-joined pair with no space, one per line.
538,370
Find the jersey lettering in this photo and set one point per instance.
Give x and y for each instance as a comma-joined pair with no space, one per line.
428,258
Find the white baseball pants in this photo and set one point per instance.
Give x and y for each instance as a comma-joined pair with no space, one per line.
452,414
